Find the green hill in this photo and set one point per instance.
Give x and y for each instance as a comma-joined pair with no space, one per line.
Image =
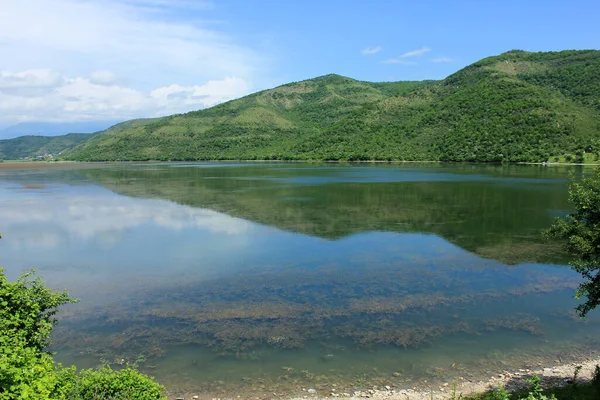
515,107
262,125
39,146
518,106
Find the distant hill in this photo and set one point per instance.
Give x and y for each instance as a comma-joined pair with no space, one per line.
518,106
39,146
53,128
259,126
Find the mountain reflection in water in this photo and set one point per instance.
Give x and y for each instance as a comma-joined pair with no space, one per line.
209,273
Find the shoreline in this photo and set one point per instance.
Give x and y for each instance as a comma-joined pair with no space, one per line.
553,373
25,164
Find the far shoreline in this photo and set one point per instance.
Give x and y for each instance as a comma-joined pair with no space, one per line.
28,164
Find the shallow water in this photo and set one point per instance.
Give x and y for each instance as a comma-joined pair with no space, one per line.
223,277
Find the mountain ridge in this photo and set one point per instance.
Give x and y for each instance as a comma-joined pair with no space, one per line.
515,107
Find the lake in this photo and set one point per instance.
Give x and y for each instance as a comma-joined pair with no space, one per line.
248,277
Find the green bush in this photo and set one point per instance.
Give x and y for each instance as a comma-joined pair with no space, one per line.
107,383
28,371
25,373
536,391
27,310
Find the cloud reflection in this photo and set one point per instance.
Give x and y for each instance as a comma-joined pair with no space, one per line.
28,219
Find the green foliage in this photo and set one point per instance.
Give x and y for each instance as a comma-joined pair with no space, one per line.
499,393
580,232
585,391
536,392
28,372
27,310
107,383
514,107
34,146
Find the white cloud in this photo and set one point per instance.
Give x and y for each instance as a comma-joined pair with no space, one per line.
183,4
70,60
29,78
399,60
442,59
29,83
371,50
51,97
416,53
103,78
213,92
402,58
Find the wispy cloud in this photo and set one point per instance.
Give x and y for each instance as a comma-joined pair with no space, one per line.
442,59
166,5
399,60
402,59
369,51
416,53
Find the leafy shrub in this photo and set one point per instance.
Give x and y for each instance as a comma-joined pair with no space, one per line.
107,383
27,310
28,372
536,391
25,373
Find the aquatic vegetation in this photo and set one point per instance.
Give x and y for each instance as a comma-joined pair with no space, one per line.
235,320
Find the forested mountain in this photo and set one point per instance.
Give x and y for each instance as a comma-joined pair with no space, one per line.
39,146
263,125
518,106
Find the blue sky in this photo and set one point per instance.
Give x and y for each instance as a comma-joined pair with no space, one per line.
310,38
84,60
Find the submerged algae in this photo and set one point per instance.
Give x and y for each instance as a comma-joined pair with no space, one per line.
288,309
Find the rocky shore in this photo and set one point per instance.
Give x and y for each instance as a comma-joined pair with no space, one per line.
552,375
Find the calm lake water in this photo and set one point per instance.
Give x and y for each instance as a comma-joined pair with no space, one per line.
246,277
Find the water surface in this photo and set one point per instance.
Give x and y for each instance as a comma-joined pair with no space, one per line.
223,277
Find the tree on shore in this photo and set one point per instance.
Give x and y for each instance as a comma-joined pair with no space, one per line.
580,233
